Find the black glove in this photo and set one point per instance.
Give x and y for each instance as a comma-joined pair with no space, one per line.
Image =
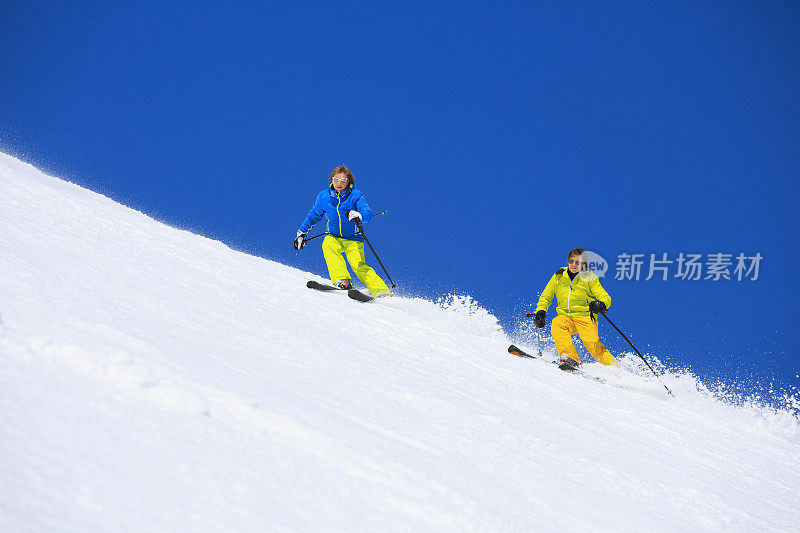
597,307
300,240
539,320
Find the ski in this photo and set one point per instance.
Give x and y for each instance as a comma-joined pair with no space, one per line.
360,296
352,293
513,350
311,284
519,353
565,367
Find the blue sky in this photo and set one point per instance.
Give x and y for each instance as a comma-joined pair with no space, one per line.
497,135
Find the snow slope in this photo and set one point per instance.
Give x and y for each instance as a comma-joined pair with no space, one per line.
156,380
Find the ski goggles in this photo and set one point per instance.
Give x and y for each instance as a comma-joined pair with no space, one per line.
340,180
575,261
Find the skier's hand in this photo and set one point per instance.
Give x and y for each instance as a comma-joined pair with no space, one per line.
354,216
300,240
597,307
539,320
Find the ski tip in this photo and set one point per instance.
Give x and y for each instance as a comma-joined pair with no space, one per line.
359,296
513,350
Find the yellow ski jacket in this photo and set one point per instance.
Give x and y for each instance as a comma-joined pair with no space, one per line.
574,296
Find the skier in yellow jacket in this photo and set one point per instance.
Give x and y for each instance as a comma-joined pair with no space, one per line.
580,296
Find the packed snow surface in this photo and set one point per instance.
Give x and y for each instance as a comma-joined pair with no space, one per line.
155,380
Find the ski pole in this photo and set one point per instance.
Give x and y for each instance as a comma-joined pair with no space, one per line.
315,236
539,342
323,234
637,352
361,230
538,338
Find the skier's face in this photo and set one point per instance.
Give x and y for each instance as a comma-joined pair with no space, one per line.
574,264
340,185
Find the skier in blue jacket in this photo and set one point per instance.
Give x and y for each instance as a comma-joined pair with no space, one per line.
343,205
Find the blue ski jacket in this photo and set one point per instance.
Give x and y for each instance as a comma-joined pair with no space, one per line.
335,205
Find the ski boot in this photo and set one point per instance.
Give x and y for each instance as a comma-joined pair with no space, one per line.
344,284
567,364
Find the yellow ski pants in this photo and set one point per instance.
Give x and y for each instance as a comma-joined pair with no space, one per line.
563,327
334,247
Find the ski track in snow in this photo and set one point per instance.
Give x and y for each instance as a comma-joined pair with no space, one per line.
156,380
